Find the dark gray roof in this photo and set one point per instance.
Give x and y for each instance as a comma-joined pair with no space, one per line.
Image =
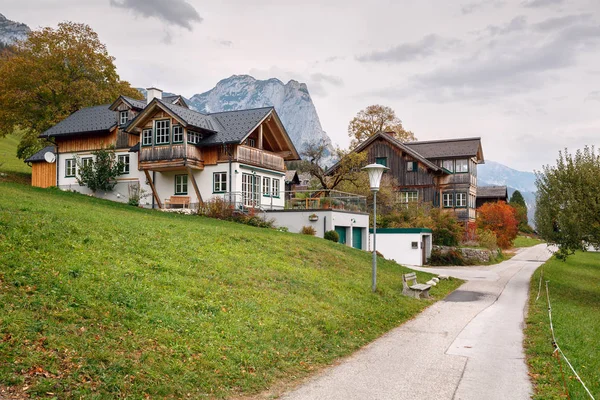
174,98
194,118
468,147
492,192
139,104
135,148
291,176
39,156
236,125
86,120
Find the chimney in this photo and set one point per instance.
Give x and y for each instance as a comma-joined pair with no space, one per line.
391,133
152,93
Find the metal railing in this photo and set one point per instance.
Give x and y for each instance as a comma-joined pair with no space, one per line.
325,199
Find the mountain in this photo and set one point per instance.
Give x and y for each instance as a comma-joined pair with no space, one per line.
292,102
493,173
11,31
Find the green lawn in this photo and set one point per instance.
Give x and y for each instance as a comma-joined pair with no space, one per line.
575,297
526,241
102,300
12,169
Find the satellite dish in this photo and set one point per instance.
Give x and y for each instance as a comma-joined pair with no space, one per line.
49,157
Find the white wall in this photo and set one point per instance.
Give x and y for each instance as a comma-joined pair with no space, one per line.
294,220
398,246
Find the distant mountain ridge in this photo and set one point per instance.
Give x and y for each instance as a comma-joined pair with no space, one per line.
11,31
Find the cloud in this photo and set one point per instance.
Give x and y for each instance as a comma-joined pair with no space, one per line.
541,3
173,12
331,79
473,7
558,23
406,52
517,24
593,96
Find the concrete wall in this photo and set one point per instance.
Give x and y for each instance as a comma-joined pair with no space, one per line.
294,220
397,246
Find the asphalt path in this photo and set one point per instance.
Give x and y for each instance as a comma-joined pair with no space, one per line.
467,346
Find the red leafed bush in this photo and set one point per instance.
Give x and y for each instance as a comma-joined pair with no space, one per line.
501,219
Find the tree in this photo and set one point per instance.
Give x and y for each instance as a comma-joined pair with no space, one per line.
518,203
499,218
568,202
347,169
101,173
375,119
54,73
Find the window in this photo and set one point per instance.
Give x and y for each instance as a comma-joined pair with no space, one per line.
70,167
266,186
408,197
414,245
162,131
123,117
412,166
181,184
447,199
193,137
381,161
86,161
124,161
147,137
177,134
462,166
250,190
220,182
461,199
251,142
449,165
275,192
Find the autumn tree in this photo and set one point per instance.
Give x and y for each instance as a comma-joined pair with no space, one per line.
499,218
375,119
568,202
52,74
347,169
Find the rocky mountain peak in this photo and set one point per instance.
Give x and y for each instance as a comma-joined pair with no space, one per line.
11,32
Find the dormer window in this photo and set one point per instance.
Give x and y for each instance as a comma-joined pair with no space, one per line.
123,117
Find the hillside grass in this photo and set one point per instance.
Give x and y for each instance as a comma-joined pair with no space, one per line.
526,241
102,300
574,288
12,169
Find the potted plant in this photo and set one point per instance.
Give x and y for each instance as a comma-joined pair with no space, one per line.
313,217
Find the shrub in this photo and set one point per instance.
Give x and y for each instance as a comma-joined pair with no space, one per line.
487,239
100,174
499,218
332,235
308,230
218,208
452,257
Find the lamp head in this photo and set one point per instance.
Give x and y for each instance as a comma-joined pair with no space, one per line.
375,172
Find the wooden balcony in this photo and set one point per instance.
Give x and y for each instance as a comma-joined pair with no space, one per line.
260,158
170,157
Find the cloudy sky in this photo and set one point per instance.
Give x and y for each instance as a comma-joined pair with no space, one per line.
524,75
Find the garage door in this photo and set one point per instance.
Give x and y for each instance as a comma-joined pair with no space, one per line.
341,230
357,238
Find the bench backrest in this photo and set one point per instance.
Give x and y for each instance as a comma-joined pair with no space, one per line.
409,279
179,200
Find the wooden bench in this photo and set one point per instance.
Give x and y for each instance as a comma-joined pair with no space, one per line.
183,201
410,287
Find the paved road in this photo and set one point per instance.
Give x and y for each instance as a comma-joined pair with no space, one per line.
468,346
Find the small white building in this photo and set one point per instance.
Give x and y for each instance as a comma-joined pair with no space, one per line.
351,226
406,246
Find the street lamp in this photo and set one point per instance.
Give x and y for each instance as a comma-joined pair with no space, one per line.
375,171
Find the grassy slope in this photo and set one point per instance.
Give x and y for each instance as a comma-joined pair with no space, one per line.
575,298
16,170
102,298
526,241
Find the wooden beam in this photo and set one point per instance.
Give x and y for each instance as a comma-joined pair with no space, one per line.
195,185
260,137
274,134
154,193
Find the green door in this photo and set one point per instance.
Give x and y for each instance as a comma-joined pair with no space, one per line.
341,230
357,238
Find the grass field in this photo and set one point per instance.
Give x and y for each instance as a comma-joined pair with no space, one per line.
526,241
102,300
11,168
575,298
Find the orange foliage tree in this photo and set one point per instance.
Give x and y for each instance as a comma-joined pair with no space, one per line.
501,219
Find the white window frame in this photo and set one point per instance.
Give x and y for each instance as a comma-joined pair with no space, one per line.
409,196
70,167
251,142
447,199
444,165
177,134
266,186
86,160
181,183
251,190
461,199
275,188
125,159
147,137
162,131
220,182
123,117
464,166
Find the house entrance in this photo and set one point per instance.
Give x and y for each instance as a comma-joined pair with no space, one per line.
251,190
357,238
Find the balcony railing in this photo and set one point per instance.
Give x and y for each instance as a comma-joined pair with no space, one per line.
169,152
325,199
259,157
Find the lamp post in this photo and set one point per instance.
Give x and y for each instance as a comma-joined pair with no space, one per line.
375,171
